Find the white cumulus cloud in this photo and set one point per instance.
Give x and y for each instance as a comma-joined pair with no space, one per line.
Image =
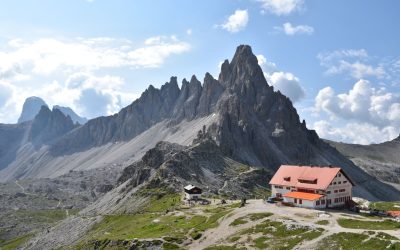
291,30
47,55
281,7
237,21
376,109
286,82
356,63
358,133
72,72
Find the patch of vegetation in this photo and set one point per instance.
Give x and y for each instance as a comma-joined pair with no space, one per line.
277,235
30,221
234,238
386,206
241,168
173,239
259,216
376,158
386,236
212,221
14,243
196,235
238,221
322,222
161,199
222,247
153,222
261,242
261,193
371,225
249,217
345,241
170,246
48,216
144,226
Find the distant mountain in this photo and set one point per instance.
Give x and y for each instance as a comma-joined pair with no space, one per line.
380,160
33,104
26,138
69,112
249,122
31,108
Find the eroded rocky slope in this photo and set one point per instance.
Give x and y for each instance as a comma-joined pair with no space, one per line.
380,160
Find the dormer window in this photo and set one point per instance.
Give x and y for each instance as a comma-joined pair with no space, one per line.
308,181
286,178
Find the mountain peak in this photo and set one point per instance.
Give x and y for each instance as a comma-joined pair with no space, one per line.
243,51
31,108
49,125
69,112
243,70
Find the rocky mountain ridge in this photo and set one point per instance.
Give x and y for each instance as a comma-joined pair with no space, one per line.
31,108
33,105
381,160
44,129
247,119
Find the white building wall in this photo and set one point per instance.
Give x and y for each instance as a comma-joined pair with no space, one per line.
283,190
305,203
338,184
192,196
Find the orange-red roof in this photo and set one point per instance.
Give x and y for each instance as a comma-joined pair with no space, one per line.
302,195
394,213
324,176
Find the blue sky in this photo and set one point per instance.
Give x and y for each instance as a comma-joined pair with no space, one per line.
337,60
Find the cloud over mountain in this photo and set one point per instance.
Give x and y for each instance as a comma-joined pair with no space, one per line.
285,82
67,72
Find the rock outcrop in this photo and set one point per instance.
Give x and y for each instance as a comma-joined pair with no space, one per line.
49,125
381,160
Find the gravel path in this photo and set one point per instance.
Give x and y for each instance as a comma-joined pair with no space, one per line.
303,216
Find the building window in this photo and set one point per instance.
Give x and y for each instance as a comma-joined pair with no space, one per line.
286,178
323,202
300,201
288,188
339,182
308,181
306,190
317,203
295,200
279,187
340,175
335,191
344,182
328,192
334,183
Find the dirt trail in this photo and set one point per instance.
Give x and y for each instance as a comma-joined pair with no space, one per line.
23,189
303,216
223,231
